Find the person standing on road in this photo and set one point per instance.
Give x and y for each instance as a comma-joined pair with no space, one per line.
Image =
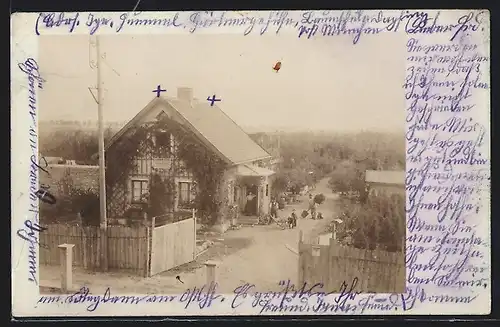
294,219
274,210
312,206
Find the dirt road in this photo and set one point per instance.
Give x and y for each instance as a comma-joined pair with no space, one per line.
264,258
268,259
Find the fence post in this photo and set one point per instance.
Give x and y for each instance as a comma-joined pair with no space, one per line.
66,254
211,273
85,250
301,268
148,252
194,236
316,252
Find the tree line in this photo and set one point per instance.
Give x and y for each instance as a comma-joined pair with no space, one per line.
309,157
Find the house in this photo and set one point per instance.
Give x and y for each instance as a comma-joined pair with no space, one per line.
180,152
386,181
53,160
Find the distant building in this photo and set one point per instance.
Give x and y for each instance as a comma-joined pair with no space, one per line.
54,160
386,181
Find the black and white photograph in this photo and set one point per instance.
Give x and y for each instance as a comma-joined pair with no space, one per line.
207,163
173,161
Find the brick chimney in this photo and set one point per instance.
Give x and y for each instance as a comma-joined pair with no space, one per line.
185,94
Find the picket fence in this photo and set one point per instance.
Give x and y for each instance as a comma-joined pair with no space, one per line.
127,246
140,250
334,264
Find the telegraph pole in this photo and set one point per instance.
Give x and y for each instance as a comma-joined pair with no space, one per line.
102,161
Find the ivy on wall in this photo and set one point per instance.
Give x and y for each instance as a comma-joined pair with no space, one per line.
206,167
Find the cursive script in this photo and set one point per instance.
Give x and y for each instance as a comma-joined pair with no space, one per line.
447,162
29,232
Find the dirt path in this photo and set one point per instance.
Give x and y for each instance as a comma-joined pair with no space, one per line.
268,259
258,255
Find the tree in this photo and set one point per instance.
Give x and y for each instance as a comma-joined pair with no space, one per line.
319,198
345,177
377,224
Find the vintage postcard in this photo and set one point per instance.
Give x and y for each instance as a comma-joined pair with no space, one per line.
250,163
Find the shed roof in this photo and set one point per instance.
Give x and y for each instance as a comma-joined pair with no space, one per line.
393,177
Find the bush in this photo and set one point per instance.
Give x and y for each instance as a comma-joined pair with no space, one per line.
67,208
319,198
86,202
377,224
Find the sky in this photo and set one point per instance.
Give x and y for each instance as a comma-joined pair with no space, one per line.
325,83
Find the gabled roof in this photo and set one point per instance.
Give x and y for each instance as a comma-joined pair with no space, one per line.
210,124
390,177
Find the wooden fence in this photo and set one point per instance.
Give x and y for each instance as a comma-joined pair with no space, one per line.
172,245
127,247
333,264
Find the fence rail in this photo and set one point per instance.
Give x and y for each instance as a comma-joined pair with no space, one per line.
333,264
127,246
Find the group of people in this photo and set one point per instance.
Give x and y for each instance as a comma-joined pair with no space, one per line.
292,219
313,209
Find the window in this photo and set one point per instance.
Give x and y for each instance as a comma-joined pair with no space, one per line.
267,189
164,142
184,193
142,166
140,189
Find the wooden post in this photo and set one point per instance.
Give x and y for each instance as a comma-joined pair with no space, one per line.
147,269
194,236
211,273
66,254
85,249
316,269
301,268
102,163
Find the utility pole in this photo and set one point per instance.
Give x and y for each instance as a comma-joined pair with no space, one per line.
102,161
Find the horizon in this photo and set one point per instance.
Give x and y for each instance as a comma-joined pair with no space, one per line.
318,87
247,129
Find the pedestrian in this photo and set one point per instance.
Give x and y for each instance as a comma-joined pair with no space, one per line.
312,206
274,211
294,219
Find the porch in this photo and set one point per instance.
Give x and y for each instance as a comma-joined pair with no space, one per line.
251,193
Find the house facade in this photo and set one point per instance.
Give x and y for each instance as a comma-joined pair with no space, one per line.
386,182
166,153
